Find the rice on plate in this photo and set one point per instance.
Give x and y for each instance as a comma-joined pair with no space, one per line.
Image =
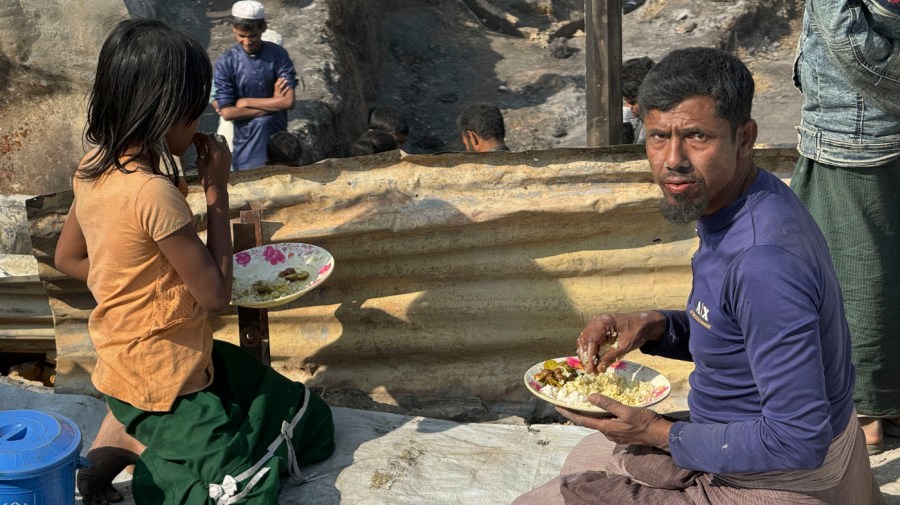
569,386
575,392
254,290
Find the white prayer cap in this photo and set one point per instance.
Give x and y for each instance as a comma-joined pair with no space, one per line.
248,9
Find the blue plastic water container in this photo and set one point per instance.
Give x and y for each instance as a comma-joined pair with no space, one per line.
39,453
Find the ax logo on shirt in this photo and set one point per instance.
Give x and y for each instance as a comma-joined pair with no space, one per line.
700,313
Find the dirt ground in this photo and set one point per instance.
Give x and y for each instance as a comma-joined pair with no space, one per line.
441,57
438,56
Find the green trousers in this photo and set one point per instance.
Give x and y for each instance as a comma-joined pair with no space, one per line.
223,431
858,211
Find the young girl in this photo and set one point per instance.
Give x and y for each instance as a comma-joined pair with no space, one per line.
202,421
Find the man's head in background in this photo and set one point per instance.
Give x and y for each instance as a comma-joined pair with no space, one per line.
633,73
284,148
248,22
481,127
388,120
372,142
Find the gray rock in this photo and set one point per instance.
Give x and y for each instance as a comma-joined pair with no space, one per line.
686,28
14,233
58,40
559,49
560,130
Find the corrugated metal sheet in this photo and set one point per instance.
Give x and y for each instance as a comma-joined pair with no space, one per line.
454,273
26,323
70,300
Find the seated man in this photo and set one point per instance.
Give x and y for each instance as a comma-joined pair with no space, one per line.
771,400
482,130
254,82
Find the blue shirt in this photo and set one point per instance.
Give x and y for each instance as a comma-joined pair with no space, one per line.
240,75
765,327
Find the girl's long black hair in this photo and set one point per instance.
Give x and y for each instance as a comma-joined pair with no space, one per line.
149,77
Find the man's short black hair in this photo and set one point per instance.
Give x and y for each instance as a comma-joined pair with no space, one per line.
284,148
633,73
700,71
373,141
484,120
387,119
249,25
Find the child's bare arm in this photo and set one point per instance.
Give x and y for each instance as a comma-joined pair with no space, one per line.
71,256
206,269
196,266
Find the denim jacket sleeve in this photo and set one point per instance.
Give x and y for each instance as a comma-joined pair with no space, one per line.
863,39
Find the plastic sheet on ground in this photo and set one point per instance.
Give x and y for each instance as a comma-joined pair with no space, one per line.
391,459
383,458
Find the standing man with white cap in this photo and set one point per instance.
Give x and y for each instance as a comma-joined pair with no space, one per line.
255,83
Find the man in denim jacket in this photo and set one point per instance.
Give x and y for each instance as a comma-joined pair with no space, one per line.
848,175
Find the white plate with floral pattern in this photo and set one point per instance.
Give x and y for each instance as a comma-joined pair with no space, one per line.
260,278
629,370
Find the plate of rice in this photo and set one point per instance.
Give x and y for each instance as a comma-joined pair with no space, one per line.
563,382
276,274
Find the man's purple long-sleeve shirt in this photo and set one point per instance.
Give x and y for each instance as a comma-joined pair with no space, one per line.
765,327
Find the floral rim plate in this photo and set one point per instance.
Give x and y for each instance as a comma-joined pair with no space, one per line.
628,369
265,262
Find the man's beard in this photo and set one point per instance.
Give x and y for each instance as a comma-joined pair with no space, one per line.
684,210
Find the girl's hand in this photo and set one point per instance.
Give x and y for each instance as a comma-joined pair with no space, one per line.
213,159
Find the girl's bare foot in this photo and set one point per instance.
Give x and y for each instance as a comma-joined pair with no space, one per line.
95,482
112,451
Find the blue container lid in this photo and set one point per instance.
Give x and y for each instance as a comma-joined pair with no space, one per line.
32,442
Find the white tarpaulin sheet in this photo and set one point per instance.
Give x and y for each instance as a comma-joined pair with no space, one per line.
388,459
384,458
391,459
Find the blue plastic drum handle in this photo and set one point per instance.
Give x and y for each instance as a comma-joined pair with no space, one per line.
13,432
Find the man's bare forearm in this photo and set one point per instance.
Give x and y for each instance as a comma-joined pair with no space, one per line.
234,112
272,104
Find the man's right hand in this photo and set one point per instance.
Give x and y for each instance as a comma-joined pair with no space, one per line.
281,87
247,108
630,330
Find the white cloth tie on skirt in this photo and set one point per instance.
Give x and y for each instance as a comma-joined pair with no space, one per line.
227,492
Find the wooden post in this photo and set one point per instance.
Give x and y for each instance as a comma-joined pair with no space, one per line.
603,48
253,323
